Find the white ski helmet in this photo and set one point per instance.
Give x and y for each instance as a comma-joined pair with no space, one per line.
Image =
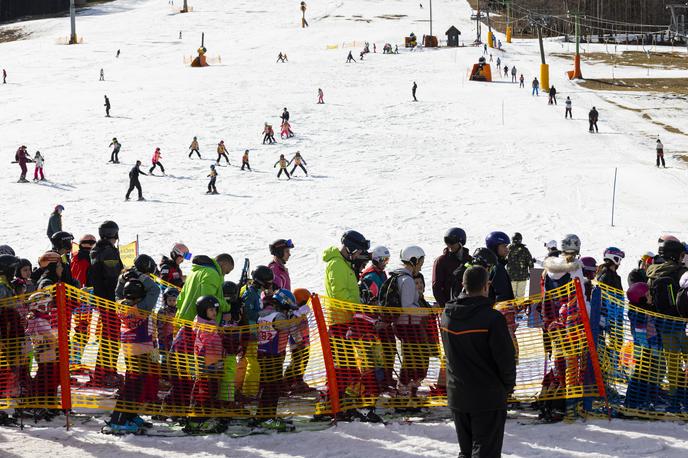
412,254
571,244
551,245
380,253
614,255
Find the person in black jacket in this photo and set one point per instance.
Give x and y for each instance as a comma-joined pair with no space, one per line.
106,265
55,221
593,116
134,181
481,366
447,271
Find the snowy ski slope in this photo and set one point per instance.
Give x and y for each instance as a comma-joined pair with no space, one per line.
398,171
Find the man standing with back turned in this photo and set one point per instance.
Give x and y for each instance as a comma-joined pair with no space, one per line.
481,367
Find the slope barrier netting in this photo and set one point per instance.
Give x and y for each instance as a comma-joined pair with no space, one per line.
68,349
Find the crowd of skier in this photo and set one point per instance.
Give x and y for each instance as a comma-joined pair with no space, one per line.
354,273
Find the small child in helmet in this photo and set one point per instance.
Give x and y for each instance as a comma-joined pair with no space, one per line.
244,161
213,177
283,164
164,323
40,328
275,327
209,353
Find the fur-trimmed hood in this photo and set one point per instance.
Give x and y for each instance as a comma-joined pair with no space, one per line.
558,267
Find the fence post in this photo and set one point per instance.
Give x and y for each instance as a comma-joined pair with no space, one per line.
63,324
591,345
332,387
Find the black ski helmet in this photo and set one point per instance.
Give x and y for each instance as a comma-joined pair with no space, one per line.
8,263
672,250
277,247
517,237
204,303
455,235
108,230
134,289
353,241
230,291
144,264
62,240
262,276
170,292
484,257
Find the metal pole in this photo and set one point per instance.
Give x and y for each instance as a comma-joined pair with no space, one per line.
72,18
614,195
430,17
186,7
477,23
542,48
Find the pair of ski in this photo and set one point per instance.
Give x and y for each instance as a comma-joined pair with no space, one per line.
234,430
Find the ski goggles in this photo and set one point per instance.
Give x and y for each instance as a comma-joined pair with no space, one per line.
452,240
187,256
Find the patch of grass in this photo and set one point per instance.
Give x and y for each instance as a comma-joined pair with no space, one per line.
665,85
667,127
670,60
12,34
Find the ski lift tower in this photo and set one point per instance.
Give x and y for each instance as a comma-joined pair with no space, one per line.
678,19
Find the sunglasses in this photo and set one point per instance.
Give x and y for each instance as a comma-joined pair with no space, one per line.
451,240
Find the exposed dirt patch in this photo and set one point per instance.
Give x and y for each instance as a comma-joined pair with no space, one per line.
667,127
664,85
391,17
669,60
12,34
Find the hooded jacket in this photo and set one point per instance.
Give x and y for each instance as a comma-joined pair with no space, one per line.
481,361
500,288
340,282
205,279
447,275
81,264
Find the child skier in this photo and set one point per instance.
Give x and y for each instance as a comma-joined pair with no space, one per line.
267,137
156,162
569,105
286,131
244,161
300,351
298,162
213,176
660,154
114,157
274,330
164,324
233,340
38,160
221,152
320,96
139,295
208,352
283,163
193,148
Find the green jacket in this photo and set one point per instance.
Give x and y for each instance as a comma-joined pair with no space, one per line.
340,283
205,280
519,262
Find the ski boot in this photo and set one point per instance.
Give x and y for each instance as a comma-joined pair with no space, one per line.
200,426
128,427
141,423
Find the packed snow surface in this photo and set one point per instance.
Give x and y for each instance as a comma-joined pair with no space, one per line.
477,155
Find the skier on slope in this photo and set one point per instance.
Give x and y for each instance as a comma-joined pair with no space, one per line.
569,105
155,160
38,159
221,152
513,74
107,107
350,58
660,153
414,88
593,116
320,96
283,163
22,157
114,157
134,181
298,161
552,95
536,87
213,177
193,148
244,161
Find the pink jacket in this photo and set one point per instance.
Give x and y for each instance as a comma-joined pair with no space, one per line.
281,274
156,156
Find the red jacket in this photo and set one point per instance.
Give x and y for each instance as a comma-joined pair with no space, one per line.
156,156
81,263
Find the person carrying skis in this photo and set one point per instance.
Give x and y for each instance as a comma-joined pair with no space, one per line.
283,163
593,116
22,157
298,162
660,154
552,95
193,148
156,162
569,105
536,87
107,107
114,157
222,152
320,96
134,181
211,184
350,58
38,161
244,161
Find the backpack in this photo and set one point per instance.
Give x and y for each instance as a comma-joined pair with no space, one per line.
664,291
682,303
389,292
